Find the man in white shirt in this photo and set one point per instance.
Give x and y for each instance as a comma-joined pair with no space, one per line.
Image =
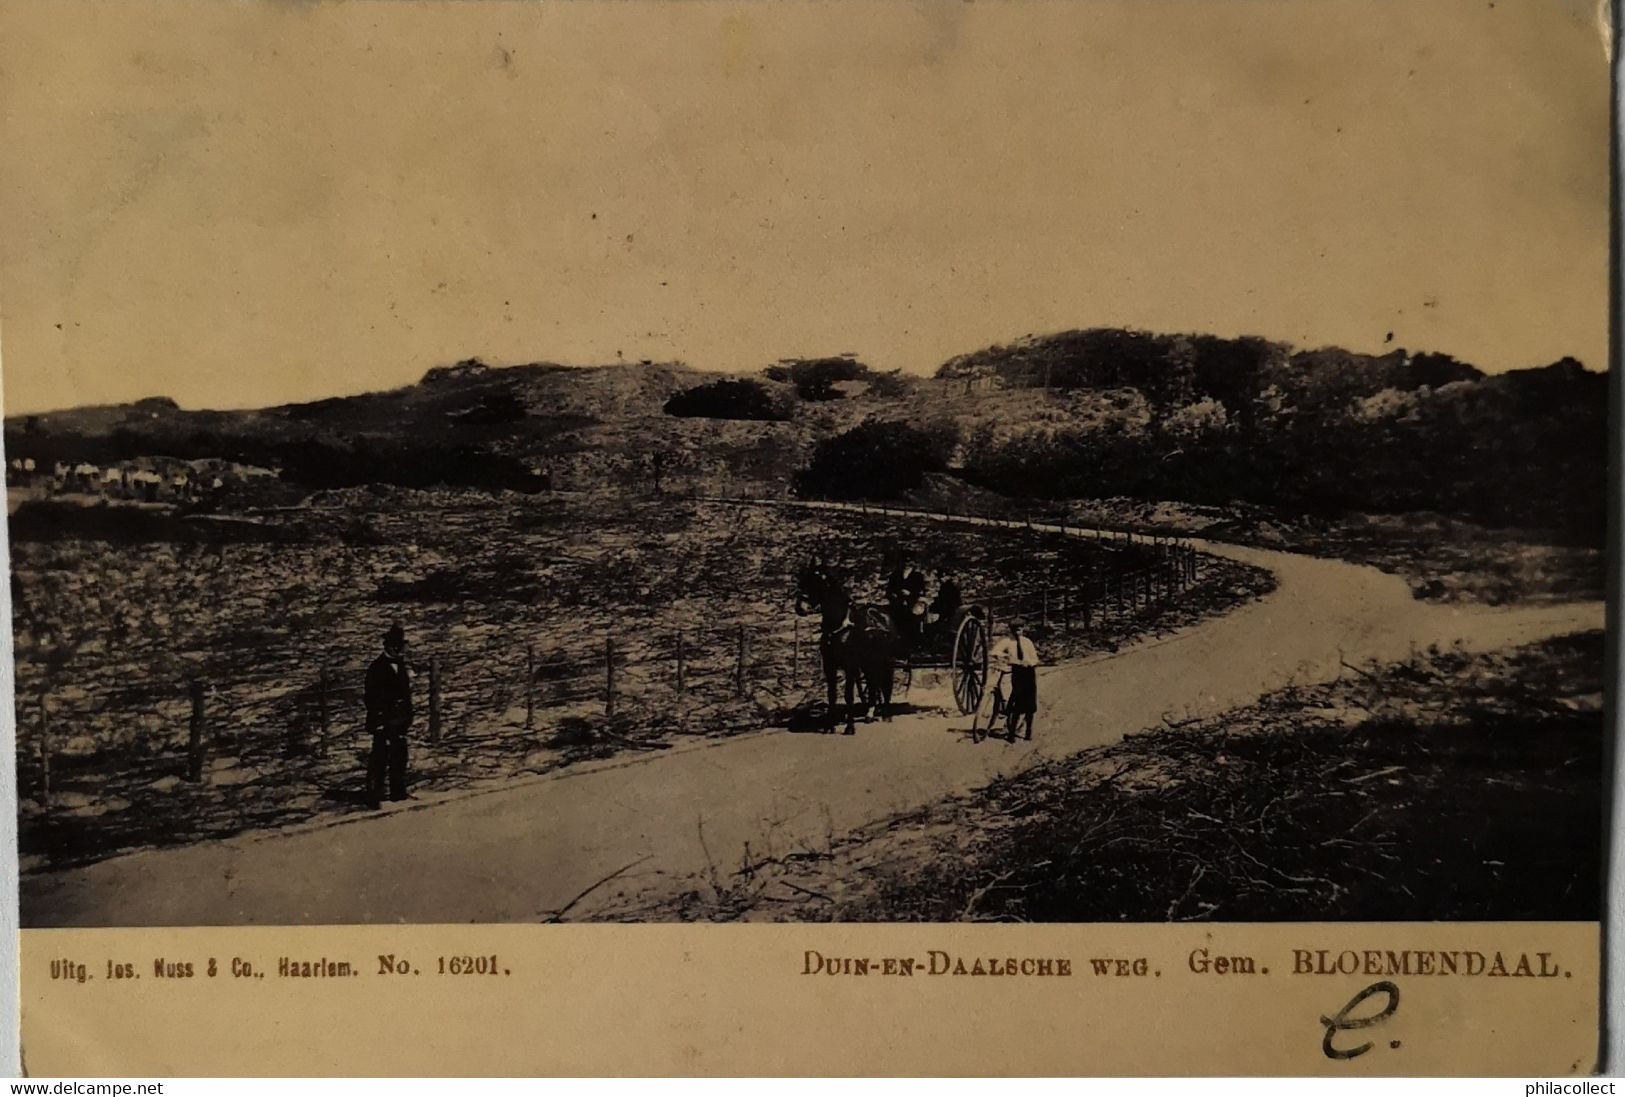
1020,655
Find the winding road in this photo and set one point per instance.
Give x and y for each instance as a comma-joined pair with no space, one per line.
523,851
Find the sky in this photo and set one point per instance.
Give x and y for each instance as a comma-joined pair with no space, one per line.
248,204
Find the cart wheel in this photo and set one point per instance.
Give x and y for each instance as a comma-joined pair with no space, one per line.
969,664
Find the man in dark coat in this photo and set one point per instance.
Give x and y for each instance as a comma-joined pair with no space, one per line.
896,585
388,696
905,598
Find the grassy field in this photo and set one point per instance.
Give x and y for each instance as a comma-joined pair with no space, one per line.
277,613
1448,787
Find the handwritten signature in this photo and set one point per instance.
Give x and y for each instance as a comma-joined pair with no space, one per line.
1343,1021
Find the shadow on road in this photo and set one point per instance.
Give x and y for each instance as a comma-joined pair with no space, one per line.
815,718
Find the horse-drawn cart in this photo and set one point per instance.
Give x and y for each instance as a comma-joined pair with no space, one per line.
864,646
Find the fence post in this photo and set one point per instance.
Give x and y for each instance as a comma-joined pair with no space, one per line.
1044,607
1066,614
434,699
795,654
739,668
195,740
324,721
44,752
530,686
609,676
679,661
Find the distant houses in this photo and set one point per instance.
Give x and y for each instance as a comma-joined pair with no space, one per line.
138,480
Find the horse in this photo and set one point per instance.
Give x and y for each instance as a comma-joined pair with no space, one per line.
856,642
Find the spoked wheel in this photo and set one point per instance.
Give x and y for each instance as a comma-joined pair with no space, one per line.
969,664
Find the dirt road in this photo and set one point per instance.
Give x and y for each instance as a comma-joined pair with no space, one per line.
519,853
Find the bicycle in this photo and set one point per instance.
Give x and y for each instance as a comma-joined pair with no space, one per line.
1001,709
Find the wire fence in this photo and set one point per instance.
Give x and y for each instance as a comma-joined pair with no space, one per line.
296,708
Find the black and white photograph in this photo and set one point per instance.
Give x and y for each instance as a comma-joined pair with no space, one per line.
736,463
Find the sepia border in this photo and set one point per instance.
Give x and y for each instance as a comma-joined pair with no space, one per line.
1031,1000
709,1000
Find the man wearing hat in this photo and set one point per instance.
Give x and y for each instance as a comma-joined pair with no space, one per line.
388,696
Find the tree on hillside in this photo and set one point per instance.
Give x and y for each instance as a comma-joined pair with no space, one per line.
815,378
726,399
890,384
1236,372
875,460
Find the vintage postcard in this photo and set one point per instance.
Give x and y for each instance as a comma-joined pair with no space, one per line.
808,537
